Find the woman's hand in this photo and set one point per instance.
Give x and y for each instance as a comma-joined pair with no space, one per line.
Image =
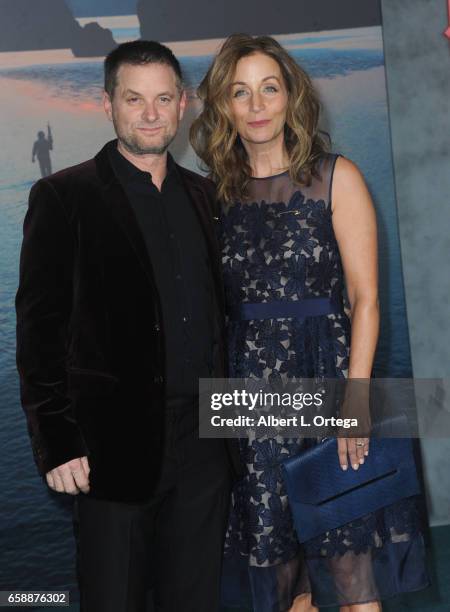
353,451
356,405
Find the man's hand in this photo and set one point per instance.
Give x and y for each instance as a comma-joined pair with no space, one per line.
71,477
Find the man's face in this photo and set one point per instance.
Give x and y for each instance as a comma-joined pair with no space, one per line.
146,107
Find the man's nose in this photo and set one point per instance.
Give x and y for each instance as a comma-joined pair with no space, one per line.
150,112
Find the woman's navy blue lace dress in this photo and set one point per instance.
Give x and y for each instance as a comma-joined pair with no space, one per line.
279,245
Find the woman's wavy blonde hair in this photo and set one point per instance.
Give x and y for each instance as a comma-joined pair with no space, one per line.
213,134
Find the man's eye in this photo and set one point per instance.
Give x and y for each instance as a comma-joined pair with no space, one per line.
164,99
132,100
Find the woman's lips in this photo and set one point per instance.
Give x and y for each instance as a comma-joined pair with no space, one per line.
260,123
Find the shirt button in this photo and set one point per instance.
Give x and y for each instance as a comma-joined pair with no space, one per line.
185,319
156,327
171,235
178,276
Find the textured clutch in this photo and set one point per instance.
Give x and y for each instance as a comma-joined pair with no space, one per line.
322,496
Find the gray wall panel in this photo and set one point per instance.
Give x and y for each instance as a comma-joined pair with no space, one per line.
418,77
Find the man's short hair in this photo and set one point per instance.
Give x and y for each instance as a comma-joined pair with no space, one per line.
139,52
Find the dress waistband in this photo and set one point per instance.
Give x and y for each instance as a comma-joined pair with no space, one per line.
280,309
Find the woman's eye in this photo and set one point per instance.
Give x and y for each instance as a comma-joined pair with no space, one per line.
239,93
270,89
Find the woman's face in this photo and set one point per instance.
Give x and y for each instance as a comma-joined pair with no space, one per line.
259,100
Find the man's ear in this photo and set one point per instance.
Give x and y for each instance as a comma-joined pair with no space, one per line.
183,104
107,105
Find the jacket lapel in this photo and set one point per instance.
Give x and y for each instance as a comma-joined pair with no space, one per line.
207,208
122,211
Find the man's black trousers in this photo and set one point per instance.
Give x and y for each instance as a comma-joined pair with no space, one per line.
164,555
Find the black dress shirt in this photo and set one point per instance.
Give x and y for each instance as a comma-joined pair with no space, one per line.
179,258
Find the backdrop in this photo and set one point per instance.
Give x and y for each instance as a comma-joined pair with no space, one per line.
51,82
418,64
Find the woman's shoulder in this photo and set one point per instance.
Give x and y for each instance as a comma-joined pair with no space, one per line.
337,168
348,186
346,172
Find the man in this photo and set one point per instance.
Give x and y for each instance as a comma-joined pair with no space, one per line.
119,313
41,149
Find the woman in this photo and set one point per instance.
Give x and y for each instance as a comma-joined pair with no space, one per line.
295,220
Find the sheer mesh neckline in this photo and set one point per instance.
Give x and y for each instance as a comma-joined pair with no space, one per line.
266,178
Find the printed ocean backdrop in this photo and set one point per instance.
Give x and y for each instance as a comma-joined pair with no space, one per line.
36,548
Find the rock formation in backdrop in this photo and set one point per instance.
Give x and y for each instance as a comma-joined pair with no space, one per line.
171,20
31,25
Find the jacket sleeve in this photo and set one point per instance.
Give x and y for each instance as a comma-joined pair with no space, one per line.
43,306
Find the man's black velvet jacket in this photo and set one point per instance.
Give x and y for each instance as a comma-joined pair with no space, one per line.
89,330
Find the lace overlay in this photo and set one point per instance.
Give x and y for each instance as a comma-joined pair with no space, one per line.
280,245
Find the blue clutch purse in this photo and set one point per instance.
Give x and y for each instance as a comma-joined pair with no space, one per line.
323,497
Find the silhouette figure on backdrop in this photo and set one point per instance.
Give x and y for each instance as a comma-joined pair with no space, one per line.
41,149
